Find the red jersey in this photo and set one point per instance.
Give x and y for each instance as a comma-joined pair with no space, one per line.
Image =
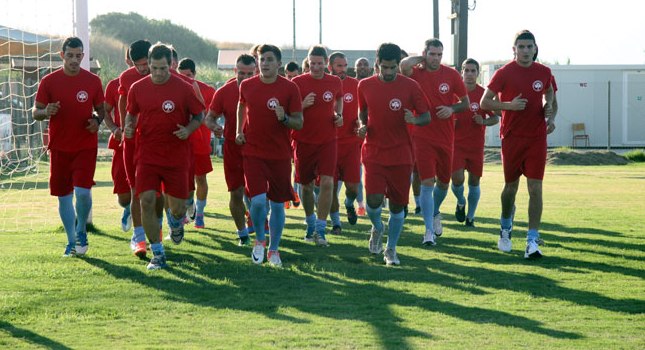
127,78
112,99
266,137
77,95
532,82
442,87
388,141
468,133
318,125
201,138
347,133
160,108
225,103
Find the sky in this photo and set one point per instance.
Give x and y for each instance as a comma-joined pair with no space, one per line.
567,31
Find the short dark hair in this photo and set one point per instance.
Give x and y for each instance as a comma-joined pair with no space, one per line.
434,42
404,54
139,49
389,52
264,48
247,59
159,51
175,55
317,50
72,42
524,35
470,61
187,63
292,67
335,55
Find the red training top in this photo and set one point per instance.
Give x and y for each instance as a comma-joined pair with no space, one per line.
347,132
469,134
318,127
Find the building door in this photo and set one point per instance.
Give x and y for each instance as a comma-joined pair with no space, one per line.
634,108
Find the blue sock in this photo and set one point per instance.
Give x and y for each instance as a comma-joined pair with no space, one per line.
68,216
167,211
311,224
474,192
439,195
243,232
532,235
458,191
359,194
349,203
395,226
139,235
190,201
201,205
335,218
259,215
427,206
247,201
83,207
276,223
417,201
157,248
375,217
506,222
338,188
321,226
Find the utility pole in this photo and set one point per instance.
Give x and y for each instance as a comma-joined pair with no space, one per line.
320,22
459,31
435,17
293,51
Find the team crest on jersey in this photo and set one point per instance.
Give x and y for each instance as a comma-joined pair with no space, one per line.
395,104
272,103
538,86
348,97
444,88
474,107
328,96
168,106
82,96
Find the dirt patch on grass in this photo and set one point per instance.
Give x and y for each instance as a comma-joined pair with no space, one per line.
567,157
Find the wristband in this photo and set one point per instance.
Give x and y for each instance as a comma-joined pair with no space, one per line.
285,121
98,120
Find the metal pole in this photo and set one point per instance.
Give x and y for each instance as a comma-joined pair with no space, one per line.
608,115
293,51
82,29
320,21
435,17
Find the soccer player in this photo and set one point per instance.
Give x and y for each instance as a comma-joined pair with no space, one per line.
291,70
200,141
386,102
67,98
525,97
164,111
348,163
433,144
470,131
362,68
224,104
316,147
270,106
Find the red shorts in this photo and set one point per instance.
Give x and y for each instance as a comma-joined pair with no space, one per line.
315,160
233,165
270,176
469,158
348,163
174,180
71,169
203,164
433,160
393,181
128,161
523,156
119,177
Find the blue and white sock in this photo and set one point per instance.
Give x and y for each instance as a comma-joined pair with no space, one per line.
458,191
68,216
258,212
439,195
201,205
532,235
474,192
157,249
321,226
375,217
427,206
138,235
311,224
335,218
395,226
506,223
243,232
417,201
349,203
83,207
276,223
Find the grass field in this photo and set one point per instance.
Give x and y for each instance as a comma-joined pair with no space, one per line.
587,293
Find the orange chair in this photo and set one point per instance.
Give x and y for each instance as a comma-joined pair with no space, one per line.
579,134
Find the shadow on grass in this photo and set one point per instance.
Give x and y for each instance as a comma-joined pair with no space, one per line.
30,337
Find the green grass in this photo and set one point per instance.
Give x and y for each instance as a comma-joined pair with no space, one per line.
587,293
636,155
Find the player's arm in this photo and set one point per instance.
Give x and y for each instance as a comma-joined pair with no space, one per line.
130,123
110,122
361,131
123,103
410,62
183,132
43,111
338,118
490,103
549,111
95,121
420,120
198,92
240,139
444,112
211,122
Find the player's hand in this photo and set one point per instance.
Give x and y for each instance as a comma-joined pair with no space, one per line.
444,112
240,139
218,130
361,131
92,125
309,100
409,116
181,132
518,103
128,131
550,125
52,108
279,113
338,120
548,110
478,119
118,134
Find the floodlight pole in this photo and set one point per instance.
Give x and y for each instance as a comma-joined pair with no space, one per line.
82,29
459,18
320,22
435,17
293,51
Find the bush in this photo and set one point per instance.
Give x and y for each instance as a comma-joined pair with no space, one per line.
635,155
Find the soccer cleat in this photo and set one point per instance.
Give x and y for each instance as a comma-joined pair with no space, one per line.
390,258
351,215
287,204
81,243
274,258
126,220
532,251
257,255
429,238
405,212
376,241
320,240
361,211
139,249
199,221
470,222
70,251
504,243
296,201
417,210
336,230
243,241
436,225
177,234
460,213
191,212
309,238
157,262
